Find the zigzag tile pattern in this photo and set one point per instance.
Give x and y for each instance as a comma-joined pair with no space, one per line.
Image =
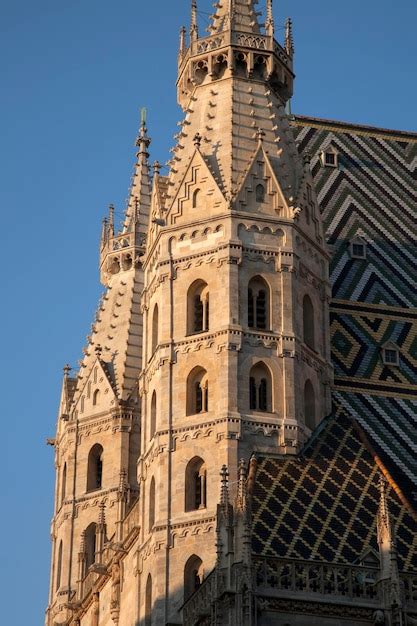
372,193
323,504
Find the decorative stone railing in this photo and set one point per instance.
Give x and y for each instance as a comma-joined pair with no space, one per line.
409,583
314,578
201,602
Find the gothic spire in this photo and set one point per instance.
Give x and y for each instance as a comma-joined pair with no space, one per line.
269,24
289,39
194,25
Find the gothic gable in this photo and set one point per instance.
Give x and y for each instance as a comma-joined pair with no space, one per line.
198,196
99,391
259,191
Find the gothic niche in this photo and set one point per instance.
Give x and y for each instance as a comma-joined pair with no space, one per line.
200,71
259,68
114,265
219,66
241,64
127,261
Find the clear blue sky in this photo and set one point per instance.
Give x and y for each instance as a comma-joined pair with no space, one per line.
74,74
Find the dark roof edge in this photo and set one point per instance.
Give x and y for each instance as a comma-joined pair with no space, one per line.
305,120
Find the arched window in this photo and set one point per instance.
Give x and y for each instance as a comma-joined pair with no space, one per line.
195,484
308,322
260,193
197,391
64,483
96,396
155,329
258,304
309,406
151,504
152,424
90,545
95,468
196,195
148,601
59,566
197,307
260,388
193,575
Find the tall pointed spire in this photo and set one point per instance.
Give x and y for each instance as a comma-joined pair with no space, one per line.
269,24
183,45
194,25
289,40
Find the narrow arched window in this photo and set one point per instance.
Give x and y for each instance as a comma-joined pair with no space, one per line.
95,468
260,388
152,428
59,566
193,575
96,396
309,406
195,485
155,329
151,504
308,322
258,304
196,196
148,601
64,483
90,545
197,391
260,193
197,307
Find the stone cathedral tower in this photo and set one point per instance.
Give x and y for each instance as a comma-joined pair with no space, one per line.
210,342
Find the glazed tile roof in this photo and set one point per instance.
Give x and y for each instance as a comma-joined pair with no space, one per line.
323,504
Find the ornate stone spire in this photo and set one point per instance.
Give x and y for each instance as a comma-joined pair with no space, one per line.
269,24
194,25
289,40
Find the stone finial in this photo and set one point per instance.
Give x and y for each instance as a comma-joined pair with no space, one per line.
182,42
224,491
241,485
67,368
269,23
260,134
197,140
142,140
101,514
194,25
111,220
289,40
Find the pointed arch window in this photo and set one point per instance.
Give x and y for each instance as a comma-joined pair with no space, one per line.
63,483
198,307
260,193
152,428
197,391
308,322
196,197
95,468
155,329
258,304
151,512
260,388
90,545
148,601
96,397
193,575
59,567
195,485
309,405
